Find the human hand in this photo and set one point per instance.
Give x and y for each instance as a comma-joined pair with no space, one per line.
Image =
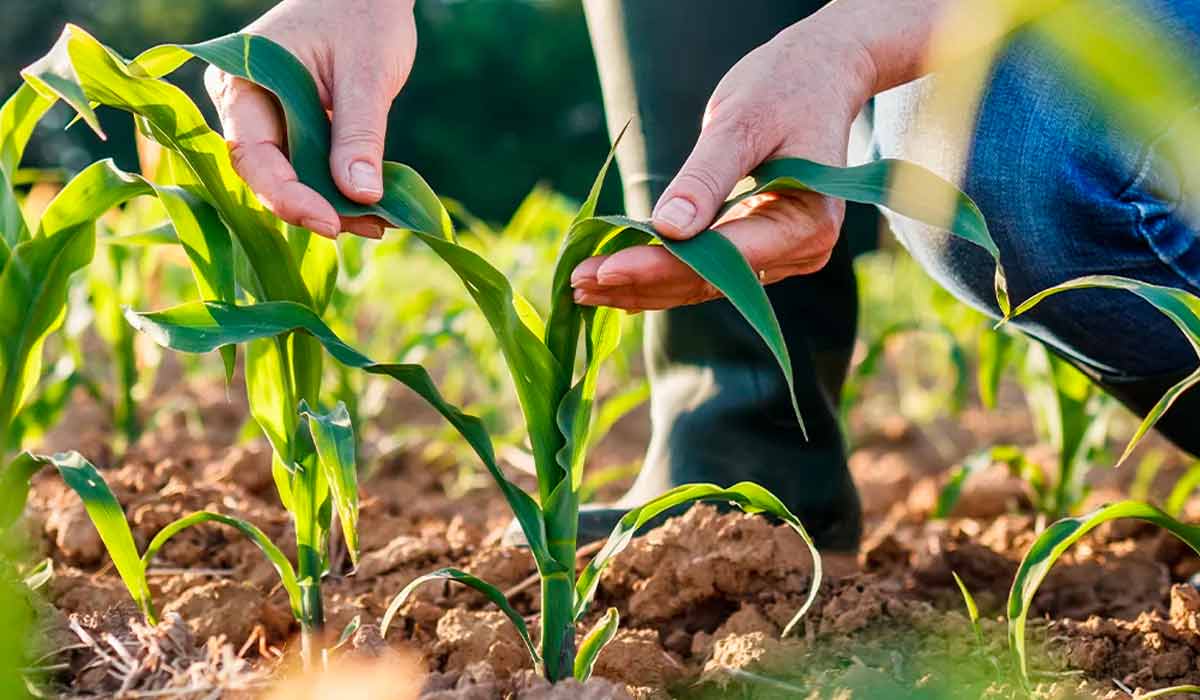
357,79
795,96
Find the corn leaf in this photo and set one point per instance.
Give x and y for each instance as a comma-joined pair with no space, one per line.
972,608
278,559
333,436
18,117
993,353
488,590
903,187
39,575
104,511
199,327
81,71
34,283
952,490
1179,306
594,643
748,496
1182,491
1055,540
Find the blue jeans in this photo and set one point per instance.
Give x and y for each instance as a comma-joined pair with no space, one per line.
1066,193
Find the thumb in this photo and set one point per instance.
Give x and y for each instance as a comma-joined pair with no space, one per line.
720,159
360,111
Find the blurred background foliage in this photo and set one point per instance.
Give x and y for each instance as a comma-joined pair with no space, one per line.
502,89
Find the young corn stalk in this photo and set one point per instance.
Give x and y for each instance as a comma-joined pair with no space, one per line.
37,260
237,251
1070,414
1184,310
556,399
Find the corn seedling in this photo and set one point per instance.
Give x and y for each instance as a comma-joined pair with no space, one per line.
955,392
37,261
972,609
1184,310
1070,414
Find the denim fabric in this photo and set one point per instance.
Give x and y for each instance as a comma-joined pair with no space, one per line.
1066,193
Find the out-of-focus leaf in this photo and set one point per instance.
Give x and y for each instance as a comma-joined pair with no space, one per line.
993,354
1182,491
1055,540
18,116
40,574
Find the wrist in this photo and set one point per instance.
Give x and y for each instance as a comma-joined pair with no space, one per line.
882,43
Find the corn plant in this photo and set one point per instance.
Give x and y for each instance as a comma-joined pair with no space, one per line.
236,250
1184,310
1070,414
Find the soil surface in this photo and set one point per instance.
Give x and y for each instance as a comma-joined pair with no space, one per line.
702,599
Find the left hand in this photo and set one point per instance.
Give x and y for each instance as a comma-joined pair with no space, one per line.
795,96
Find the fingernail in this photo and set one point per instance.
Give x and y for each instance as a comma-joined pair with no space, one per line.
320,227
365,178
613,279
678,212
588,283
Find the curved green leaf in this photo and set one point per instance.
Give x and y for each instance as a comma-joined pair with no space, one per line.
39,575
20,114
952,490
746,495
1179,306
903,187
333,436
1055,540
81,71
14,488
199,327
488,590
34,283
594,643
283,567
1182,490
106,515
870,364
1173,690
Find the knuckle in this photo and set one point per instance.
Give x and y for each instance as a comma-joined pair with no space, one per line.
360,136
701,181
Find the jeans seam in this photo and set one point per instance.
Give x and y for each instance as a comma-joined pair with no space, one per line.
1144,168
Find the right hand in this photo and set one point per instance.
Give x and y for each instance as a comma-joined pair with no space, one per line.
357,79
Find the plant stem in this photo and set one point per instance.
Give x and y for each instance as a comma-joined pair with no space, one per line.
558,587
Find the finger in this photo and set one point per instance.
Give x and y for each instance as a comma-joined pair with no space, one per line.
361,100
638,302
641,266
795,231
724,154
584,274
254,131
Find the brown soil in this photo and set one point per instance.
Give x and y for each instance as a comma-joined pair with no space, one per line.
702,599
